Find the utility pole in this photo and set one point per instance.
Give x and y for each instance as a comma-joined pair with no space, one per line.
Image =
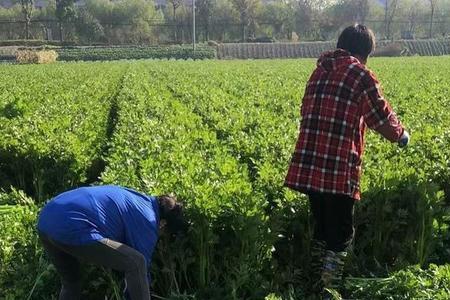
193,26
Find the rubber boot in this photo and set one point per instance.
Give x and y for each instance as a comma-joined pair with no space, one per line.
333,269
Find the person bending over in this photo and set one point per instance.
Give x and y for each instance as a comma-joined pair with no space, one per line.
109,226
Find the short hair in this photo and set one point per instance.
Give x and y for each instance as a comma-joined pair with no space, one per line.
171,210
358,40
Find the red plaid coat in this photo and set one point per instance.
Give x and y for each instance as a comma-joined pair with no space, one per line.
342,97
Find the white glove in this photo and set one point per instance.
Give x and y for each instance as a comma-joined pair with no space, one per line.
404,139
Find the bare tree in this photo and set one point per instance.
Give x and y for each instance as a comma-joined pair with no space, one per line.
247,14
390,9
309,16
413,15
352,10
361,10
65,12
304,18
280,15
433,8
204,9
175,5
27,11
224,15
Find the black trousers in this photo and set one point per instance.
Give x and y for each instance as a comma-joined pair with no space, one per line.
333,219
105,253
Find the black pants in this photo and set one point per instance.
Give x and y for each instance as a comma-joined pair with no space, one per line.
333,219
106,253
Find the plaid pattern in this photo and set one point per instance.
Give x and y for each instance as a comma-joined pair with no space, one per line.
342,97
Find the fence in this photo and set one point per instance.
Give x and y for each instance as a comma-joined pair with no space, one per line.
169,32
314,49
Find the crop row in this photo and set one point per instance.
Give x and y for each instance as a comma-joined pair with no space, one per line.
220,136
54,127
124,53
117,53
183,155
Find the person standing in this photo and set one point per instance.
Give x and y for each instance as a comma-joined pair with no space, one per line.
108,226
341,99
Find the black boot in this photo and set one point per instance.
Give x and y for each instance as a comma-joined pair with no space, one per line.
318,251
333,269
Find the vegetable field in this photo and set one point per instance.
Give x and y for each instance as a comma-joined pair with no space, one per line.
219,134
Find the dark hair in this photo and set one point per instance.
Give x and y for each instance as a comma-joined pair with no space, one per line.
358,40
172,211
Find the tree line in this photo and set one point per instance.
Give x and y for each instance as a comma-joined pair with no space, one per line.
170,21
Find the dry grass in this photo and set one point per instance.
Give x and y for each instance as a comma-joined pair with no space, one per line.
36,57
